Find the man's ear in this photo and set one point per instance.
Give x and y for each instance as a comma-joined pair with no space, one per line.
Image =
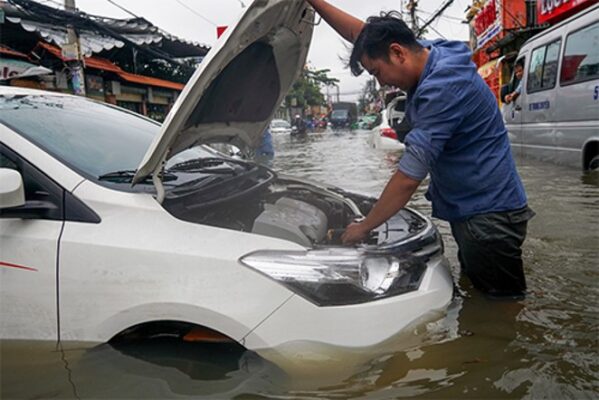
397,50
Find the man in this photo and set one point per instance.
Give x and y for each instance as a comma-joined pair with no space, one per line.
518,72
457,137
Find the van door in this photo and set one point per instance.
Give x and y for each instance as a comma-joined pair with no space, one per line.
512,112
539,105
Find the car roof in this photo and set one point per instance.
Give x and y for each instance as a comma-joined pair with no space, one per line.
20,91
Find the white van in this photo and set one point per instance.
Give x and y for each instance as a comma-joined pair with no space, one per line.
556,116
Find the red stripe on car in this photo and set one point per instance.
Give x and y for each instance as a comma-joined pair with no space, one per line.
5,264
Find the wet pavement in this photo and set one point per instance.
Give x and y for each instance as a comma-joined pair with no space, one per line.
544,347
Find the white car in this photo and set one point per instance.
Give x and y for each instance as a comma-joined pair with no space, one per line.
280,127
112,226
384,137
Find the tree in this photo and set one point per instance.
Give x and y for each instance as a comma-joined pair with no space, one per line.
369,95
306,90
172,72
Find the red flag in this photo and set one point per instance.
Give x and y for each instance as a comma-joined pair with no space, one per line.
220,30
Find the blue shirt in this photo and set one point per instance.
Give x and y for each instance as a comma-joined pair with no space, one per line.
459,138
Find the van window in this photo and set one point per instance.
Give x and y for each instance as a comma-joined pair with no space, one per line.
550,66
542,72
535,71
581,57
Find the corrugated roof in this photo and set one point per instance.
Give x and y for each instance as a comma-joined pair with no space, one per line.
106,65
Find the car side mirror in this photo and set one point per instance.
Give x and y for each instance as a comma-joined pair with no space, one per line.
12,198
12,192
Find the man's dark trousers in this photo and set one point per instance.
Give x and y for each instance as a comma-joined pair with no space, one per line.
490,251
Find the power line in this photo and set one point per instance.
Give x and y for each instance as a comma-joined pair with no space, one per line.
449,17
195,12
433,29
122,8
53,2
435,15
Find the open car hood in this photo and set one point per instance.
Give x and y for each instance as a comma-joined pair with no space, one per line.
233,95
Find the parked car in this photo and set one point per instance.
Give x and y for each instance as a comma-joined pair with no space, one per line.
280,126
113,226
384,136
369,121
556,117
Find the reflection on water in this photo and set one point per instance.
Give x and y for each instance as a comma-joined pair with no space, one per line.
542,347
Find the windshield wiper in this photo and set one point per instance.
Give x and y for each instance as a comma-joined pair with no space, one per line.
126,176
205,165
197,163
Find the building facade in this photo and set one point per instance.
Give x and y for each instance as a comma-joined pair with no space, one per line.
130,62
498,28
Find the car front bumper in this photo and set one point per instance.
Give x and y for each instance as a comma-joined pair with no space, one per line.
354,326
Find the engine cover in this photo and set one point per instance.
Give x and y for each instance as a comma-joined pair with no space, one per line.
292,220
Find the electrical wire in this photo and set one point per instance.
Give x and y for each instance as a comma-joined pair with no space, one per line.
433,29
448,17
195,12
122,8
61,6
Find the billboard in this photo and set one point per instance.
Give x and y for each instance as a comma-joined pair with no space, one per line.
551,11
487,22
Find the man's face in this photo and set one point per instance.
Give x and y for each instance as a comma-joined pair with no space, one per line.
396,70
519,72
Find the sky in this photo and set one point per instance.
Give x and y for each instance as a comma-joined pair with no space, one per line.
196,20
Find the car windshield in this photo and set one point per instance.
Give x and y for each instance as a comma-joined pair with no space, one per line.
280,124
339,114
92,138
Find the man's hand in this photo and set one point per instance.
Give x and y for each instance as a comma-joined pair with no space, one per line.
398,191
355,233
348,26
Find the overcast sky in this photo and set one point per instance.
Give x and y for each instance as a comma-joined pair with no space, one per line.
197,20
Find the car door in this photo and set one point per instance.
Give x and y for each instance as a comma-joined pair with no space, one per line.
28,255
539,105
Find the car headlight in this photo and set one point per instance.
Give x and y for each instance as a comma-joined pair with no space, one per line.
334,277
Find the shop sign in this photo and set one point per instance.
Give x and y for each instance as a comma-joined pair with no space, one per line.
70,52
487,22
550,11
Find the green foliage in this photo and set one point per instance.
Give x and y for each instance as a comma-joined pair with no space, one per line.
171,72
306,90
369,95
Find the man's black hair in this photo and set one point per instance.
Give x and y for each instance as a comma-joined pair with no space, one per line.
376,37
520,63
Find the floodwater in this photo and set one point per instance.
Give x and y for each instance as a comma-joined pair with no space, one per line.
544,347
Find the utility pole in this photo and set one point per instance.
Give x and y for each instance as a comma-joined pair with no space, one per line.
411,6
433,17
72,54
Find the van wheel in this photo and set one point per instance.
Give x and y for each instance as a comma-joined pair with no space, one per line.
594,164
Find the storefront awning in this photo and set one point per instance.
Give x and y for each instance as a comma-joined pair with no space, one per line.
106,65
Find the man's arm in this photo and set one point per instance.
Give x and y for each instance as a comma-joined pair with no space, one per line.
348,26
398,191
